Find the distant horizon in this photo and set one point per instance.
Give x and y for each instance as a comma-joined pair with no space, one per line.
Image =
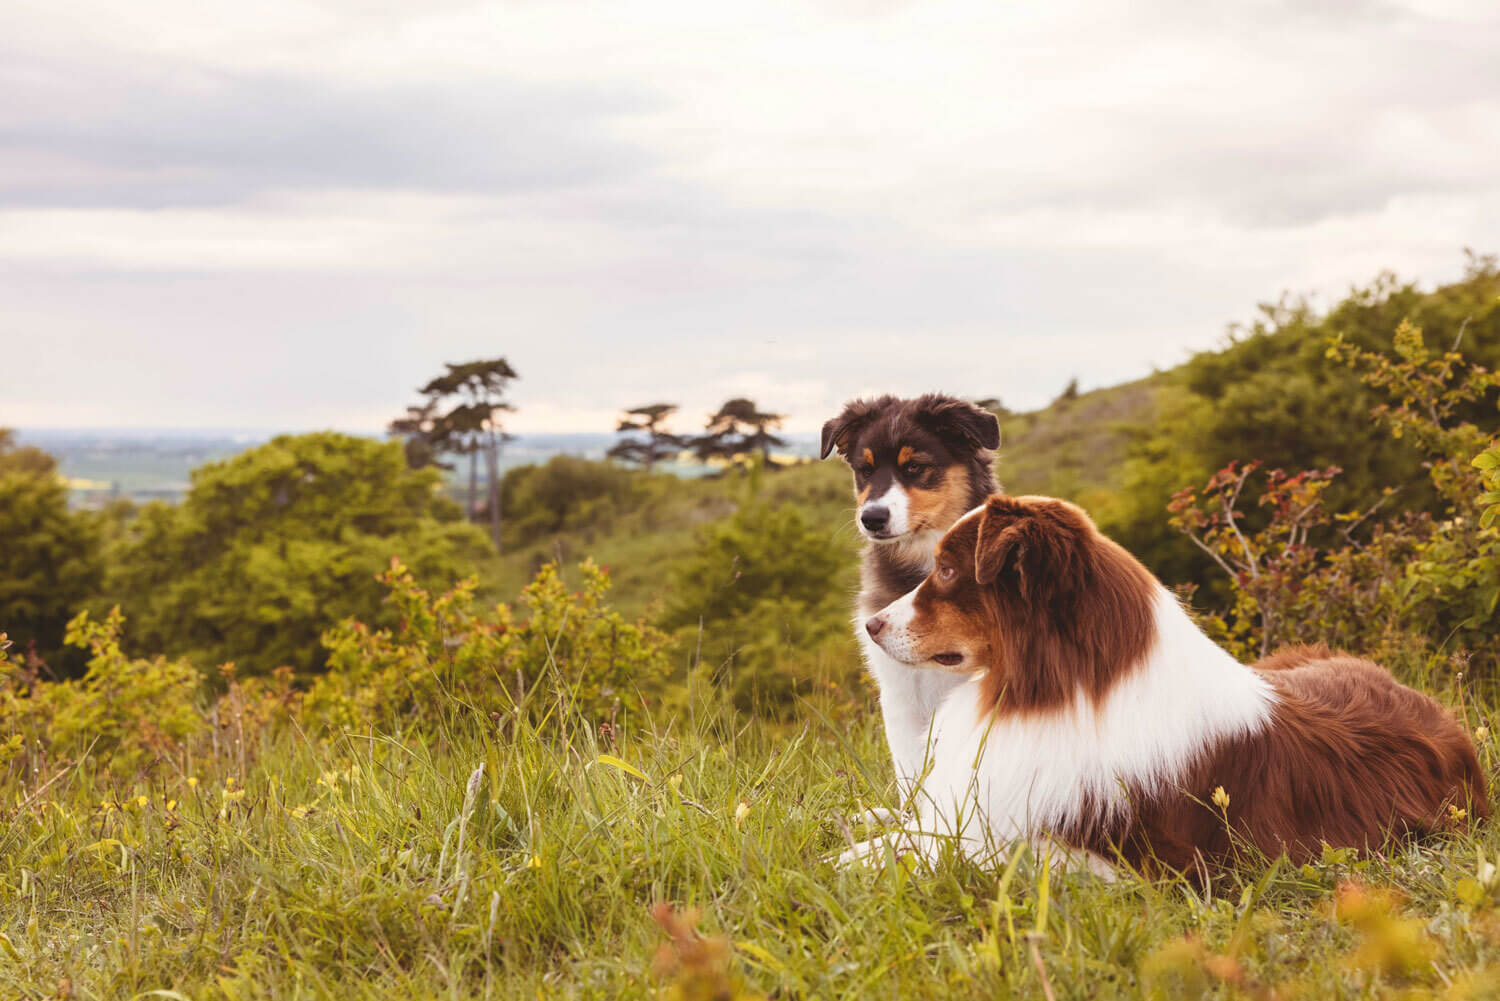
237,213
231,432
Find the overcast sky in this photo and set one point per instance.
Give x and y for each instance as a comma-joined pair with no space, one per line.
285,216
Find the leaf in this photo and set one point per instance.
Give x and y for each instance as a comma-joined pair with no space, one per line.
622,765
761,956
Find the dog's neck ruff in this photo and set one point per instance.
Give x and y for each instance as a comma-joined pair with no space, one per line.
1081,766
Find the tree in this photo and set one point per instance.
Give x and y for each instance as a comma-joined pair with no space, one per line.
423,437
49,556
738,428
657,443
460,414
277,544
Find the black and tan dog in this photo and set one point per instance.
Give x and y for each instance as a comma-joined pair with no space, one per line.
919,465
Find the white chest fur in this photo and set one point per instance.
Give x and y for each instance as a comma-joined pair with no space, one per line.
909,696
1013,776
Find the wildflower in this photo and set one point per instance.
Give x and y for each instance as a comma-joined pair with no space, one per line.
229,782
192,781
535,862
675,782
141,801
741,812
171,805
1482,734
1221,798
1456,812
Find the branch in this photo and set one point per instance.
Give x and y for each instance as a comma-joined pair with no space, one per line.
1228,506
1212,555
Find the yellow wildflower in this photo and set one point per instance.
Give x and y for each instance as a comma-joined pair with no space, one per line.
741,812
1221,798
141,801
192,781
1482,734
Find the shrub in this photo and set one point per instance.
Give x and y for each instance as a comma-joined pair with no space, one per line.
125,711
1407,584
567,493
443,648
274,546
1274,393
763,599
51,560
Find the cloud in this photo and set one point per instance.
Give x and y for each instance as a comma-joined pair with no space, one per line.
318,206
139,134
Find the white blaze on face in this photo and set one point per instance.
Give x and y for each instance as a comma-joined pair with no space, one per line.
896,504
896,638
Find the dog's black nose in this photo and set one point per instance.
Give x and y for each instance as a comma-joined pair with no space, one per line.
875,517
873,626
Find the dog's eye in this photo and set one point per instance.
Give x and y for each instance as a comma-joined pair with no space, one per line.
913,469
946,573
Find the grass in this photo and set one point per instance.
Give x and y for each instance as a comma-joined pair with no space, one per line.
497,858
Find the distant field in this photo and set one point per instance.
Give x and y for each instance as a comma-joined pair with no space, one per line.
142,465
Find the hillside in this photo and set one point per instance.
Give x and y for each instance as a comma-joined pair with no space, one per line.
655,522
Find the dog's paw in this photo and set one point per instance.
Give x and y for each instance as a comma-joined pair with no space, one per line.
877,816
872,853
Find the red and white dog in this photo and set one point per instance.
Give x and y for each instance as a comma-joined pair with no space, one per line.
1096,714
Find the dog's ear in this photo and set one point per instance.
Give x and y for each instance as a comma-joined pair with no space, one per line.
839,431
1035,544
947,414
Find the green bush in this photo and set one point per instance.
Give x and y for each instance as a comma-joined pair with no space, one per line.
566,644
764,602
274,546
50,559
124,711
566,494
1413,587
1274,393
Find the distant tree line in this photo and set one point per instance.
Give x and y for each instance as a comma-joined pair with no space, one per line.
736,430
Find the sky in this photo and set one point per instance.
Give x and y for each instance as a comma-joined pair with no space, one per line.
282,215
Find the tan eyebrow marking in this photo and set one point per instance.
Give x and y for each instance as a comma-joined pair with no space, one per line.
869,457
905,456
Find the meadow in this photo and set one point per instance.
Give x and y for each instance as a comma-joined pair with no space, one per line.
502,858
245,754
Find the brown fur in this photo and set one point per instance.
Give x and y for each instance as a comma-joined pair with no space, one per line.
1350,758
1031,580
